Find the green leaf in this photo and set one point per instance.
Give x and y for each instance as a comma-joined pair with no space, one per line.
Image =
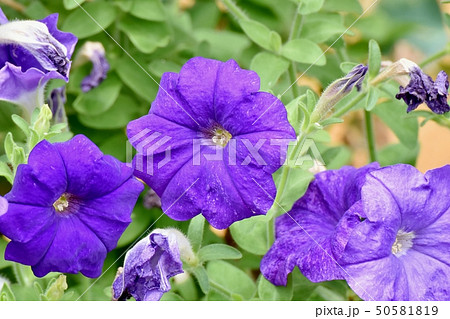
161,66
447,19
374,58
202,278
346,67
123,111
100,99
322,293
393,114
275,41
336,157
297,114
320,30
9,146
137,79
230,280
222,44
251,234
6,293
310,6
398,153
147,36
303,51
343,5
260,34
83,25
21,123
6,172
268,292
152,10
171,296
331,121
269,68
218,251
195,232
372,98
297,183
71,4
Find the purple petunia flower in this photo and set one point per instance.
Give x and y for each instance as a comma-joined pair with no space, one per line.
305,235
94,52
422,89
203,149
398,244
68,207
149,265
32,53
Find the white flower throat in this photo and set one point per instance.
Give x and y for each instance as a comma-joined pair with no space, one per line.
403,242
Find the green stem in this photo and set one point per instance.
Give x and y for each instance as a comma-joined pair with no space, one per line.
295,29
434,57
342,111
370,136
235,10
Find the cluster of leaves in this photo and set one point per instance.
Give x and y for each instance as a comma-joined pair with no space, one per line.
280,41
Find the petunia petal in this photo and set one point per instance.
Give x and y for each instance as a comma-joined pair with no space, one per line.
87,252
428,278
93,174
15,224
109,216
381,279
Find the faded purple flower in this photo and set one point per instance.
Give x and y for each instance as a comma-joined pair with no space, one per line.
68,207
32,53
397,243
56,102
305,235
94,52
202,147
151,200
148,267
422,89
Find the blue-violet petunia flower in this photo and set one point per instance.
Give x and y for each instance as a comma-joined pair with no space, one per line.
95,53
305,235
149,265
211,142
422,89
68,207
397,245
32,53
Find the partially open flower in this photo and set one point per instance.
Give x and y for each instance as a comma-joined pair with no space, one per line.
149,265
32,53
337,90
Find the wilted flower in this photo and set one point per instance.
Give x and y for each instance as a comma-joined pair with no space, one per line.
151,200
94,52
202,139
68,207
398,247
338,90
305,235
422,89
149,265
32,53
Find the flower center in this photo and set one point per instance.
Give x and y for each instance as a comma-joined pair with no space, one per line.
403,242
220,136
62,204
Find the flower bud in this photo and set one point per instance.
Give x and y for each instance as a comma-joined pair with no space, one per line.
338,90
149,265
94,52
